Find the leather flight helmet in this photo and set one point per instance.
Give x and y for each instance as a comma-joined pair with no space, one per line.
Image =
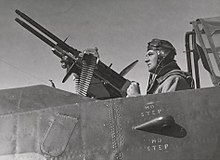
162,45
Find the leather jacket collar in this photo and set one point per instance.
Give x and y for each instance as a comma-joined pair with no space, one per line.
155,79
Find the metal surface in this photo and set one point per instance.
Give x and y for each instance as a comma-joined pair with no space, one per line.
104,130
196,111
35,98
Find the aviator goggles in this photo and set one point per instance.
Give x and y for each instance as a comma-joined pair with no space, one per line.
157,44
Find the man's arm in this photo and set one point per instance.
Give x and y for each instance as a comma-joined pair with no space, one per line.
173,83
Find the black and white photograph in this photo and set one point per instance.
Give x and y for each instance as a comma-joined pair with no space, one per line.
109,79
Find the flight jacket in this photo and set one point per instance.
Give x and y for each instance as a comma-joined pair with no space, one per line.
169,79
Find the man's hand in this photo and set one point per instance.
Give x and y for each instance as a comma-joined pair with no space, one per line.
133,90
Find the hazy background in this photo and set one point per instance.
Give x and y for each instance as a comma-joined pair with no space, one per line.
119,28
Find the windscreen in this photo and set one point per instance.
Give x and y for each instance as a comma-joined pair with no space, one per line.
208,34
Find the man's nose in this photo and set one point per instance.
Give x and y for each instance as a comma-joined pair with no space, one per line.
147,59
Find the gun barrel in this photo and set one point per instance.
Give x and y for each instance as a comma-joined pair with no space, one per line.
36,33
38,26
48,33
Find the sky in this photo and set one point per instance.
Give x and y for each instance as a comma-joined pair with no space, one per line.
119,28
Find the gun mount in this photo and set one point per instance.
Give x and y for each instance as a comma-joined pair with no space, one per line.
93,78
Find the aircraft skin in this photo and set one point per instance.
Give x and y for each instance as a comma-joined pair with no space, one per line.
40,122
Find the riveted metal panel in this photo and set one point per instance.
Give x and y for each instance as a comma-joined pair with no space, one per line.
105,130
35,98
196,111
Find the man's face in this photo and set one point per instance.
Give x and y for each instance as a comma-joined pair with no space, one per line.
151,60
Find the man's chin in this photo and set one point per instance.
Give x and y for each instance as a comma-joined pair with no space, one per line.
151,70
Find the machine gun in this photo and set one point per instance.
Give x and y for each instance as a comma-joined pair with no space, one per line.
93,77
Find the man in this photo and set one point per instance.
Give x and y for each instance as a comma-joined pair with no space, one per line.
165,74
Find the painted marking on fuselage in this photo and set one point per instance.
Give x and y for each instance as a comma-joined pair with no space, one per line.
156,144
151,110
